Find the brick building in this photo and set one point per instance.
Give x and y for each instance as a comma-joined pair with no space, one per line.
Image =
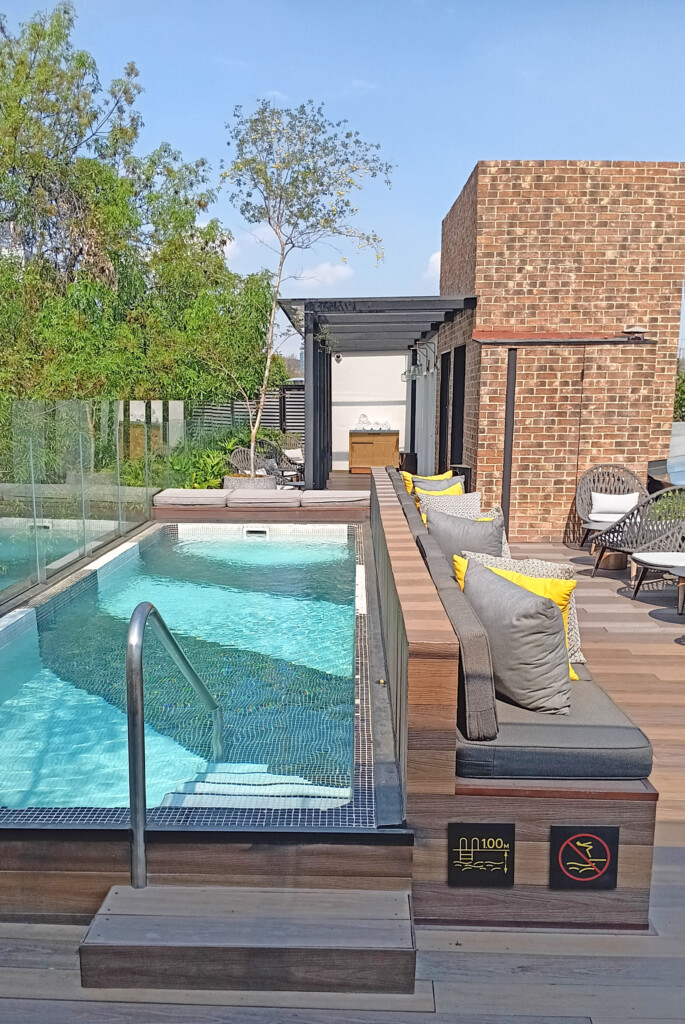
563,257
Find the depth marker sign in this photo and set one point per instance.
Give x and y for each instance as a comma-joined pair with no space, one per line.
583,858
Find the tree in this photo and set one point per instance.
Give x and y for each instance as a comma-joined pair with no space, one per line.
296,172
112,282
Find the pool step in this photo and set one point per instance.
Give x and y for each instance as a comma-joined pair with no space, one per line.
211,937
243,785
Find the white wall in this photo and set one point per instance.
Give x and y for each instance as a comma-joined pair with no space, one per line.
425,412
366,382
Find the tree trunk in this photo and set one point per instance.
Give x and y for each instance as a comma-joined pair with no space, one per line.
254,428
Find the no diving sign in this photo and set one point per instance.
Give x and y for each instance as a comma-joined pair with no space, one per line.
583,858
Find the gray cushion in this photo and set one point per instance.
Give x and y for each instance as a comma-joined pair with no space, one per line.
541,569
335,498
275,499
596,740
476,712
189,496
456,533
437,485
527,641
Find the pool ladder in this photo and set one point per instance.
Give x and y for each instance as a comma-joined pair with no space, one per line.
143,614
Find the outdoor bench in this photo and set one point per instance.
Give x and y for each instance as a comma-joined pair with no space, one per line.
587,769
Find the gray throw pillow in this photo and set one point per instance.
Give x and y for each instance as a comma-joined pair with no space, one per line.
455,533
527,641
437,485
540,569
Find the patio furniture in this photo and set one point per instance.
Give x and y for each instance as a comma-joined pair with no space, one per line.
679,573
610,479
672,562
323,498
655,525
264,466
265,499
290,467
211,497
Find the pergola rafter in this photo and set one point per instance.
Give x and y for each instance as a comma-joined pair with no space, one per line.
332,326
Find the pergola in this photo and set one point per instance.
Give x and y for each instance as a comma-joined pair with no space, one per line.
329,326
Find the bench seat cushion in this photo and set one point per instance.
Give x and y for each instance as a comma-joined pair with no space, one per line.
269,499
335,498
189,496
596,740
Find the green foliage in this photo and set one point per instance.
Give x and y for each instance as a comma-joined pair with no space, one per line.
297,171
109,283
201,460
679,404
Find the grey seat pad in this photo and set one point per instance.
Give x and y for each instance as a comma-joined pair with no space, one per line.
596,740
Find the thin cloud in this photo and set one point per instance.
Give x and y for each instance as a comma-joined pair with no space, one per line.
432,271
324,274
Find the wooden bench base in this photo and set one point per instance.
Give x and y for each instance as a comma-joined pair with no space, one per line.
533,807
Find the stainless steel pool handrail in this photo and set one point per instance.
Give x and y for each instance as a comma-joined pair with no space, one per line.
144,613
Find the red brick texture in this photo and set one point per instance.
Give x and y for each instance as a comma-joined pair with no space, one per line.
564,250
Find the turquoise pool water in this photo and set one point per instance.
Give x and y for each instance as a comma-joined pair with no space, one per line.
268,625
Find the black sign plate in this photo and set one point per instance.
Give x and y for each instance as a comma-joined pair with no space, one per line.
583,858
480,855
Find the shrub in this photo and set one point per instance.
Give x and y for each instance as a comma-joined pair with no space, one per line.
679,404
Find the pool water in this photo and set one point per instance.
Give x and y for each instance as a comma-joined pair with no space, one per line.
269,626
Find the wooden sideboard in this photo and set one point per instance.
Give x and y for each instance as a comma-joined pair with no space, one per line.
369,448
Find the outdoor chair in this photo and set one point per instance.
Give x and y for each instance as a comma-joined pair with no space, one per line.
653,534
264,466
607,479
288,466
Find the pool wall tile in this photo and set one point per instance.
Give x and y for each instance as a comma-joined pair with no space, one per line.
14,624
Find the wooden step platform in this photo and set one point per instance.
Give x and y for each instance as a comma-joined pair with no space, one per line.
211,937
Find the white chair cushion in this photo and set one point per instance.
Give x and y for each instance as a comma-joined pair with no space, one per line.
188,496
613,504
294,454
335,498
663,559
605,517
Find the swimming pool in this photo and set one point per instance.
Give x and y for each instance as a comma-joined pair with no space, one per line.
268,622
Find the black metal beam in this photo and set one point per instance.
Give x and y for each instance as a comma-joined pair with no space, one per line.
390,304
509,412
309,400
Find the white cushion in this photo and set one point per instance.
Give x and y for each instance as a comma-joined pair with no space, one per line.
613,504
605,517
188,496
664,559
335,498
294,454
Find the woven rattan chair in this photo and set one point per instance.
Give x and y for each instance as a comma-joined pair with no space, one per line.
272,450
656,524
608,478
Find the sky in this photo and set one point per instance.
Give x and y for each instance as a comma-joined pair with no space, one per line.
440,85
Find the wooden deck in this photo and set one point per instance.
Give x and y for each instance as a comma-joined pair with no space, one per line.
465,976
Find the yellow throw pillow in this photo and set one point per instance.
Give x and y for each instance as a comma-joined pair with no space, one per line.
456,489
425,519
409,479
460,567
558,591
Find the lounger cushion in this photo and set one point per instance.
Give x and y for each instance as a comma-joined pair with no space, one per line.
596,740
335,498
188,496
527,641
276,499
454,534
661,559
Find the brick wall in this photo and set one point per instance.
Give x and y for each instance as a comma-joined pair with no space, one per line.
569,249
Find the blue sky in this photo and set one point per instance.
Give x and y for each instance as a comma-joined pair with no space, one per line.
439,84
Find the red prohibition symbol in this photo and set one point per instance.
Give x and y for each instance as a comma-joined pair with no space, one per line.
584,857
